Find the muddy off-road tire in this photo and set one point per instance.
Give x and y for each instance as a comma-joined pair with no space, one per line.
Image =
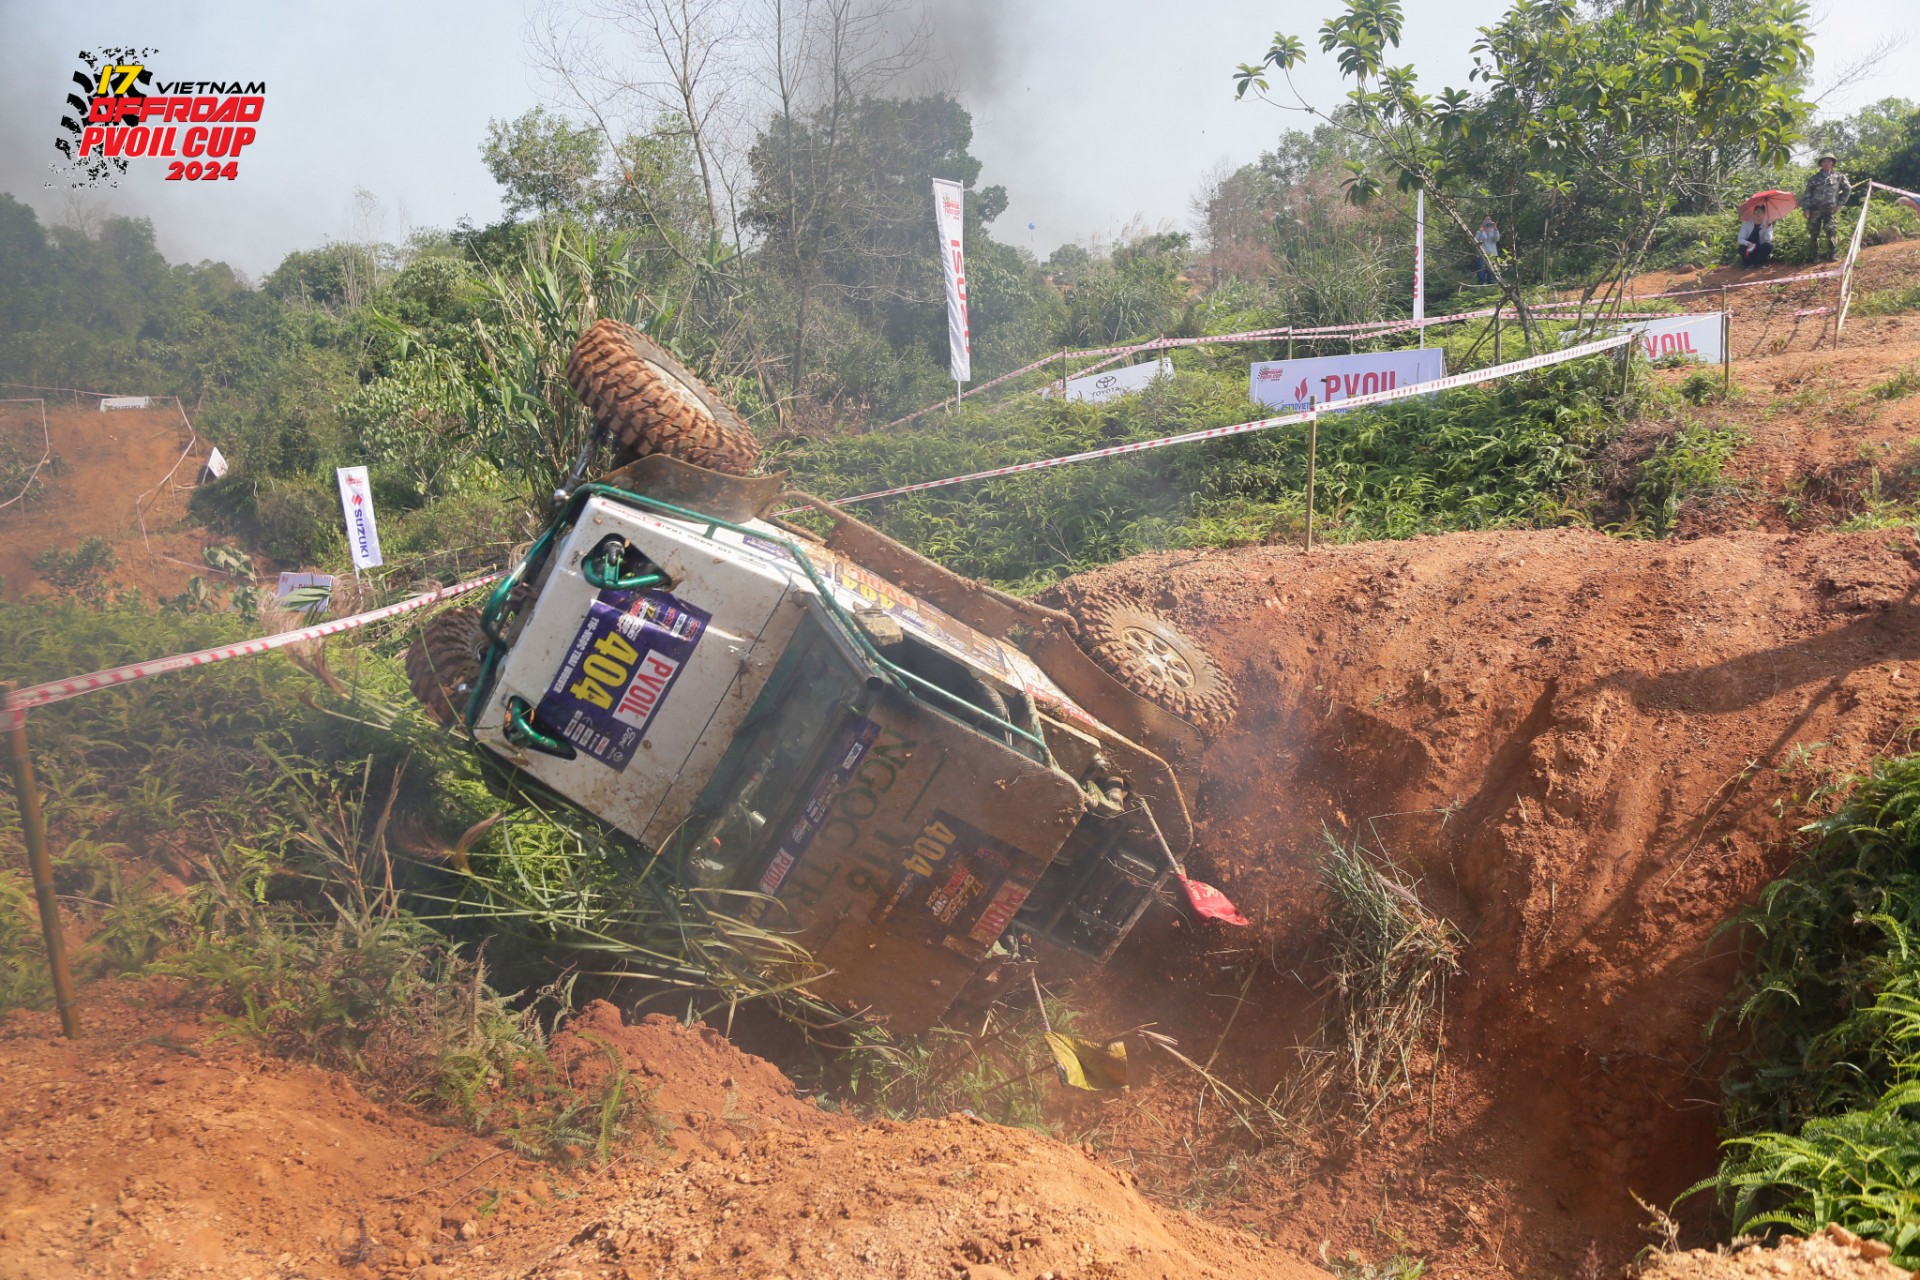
1156,659
648,402
444,661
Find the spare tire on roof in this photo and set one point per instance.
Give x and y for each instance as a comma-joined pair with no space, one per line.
648,402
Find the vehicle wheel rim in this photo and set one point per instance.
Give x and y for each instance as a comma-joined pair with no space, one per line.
1162,661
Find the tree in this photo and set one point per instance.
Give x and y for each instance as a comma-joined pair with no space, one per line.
1612,108
671,67
1881,140
823,58
547,165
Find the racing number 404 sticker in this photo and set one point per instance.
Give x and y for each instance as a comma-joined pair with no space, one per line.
619,670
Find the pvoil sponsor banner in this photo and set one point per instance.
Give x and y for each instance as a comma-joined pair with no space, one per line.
1695,337
356,501
1108,383
1291,384
948,204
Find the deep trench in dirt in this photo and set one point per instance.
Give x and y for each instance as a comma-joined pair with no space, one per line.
1577,745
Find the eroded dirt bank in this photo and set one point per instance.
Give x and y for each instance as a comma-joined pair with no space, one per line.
1580,744
152,1148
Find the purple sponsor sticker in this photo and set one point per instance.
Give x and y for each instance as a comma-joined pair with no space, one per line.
619,670
845,762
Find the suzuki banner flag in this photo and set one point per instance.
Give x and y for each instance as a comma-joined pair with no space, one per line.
948,204
1692,337
1108,383
1326,380
356,501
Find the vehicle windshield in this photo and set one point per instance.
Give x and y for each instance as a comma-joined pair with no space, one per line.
777,748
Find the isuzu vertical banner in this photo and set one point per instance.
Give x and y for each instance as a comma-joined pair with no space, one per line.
947,206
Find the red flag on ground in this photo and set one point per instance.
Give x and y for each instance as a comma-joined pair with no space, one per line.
1211,903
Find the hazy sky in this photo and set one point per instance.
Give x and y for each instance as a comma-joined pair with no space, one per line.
1090,112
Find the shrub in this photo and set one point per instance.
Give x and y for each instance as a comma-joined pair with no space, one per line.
81,573
1505,454
1887,302
1687,464
1821,1098
1901,384
293,521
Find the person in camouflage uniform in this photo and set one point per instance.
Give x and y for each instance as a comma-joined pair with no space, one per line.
1827,189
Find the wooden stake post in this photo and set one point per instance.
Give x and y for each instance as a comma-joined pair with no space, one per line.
33,830
1726,346
1313,450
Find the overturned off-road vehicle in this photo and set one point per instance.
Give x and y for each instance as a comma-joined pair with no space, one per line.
913,774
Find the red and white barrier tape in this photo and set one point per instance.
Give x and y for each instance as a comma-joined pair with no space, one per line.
1447,383
39,695
1827,274
1369,328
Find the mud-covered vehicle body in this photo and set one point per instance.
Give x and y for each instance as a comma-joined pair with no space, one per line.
903,769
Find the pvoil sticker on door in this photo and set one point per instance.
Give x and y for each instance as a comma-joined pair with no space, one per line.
619,671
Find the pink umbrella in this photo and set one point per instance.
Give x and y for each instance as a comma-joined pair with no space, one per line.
1768,206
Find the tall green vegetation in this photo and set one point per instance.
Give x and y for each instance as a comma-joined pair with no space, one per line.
1824,1096
337,877
1512,453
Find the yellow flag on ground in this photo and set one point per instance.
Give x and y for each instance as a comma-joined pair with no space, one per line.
1085,1064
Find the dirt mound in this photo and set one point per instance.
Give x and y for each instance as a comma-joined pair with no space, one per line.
112,474
1834,1254
928,1200
1579,744
152,1147
713,1093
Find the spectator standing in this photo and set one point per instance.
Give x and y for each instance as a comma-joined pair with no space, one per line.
1488,238
1827,189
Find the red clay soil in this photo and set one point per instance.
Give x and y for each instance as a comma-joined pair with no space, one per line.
1820,444
112,472
1578,744
1834,1254
150,1148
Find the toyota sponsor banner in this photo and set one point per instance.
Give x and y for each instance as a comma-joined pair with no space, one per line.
356,501
1326,380
948,204
1109,383
1698,337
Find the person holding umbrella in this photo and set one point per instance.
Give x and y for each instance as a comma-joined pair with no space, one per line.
1827,189
1756,243
1758,213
